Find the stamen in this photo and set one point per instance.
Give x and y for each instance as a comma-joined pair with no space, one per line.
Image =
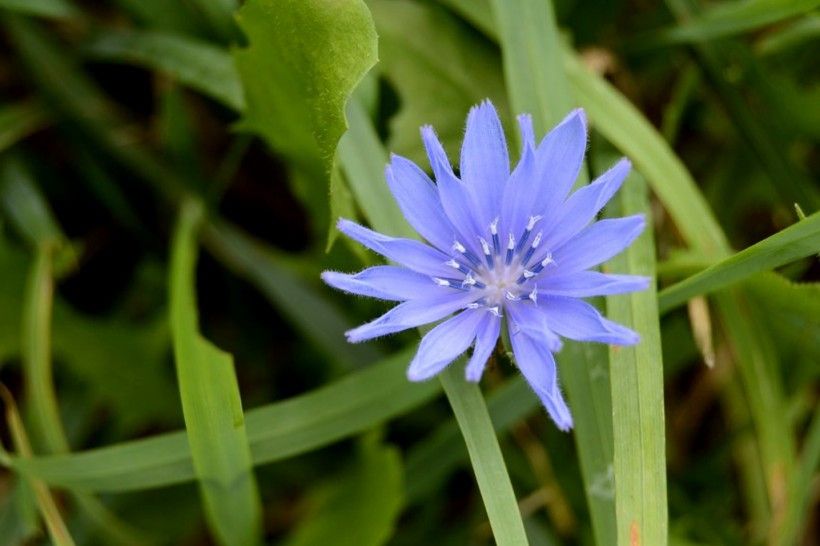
509,295
495,310
494,233
531,250
460,248
441,282
530,224
494,226
470,281
451,283
510,249
534,295
488,257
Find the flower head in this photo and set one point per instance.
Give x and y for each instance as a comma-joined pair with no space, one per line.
502,246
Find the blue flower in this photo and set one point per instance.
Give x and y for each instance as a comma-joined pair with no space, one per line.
512,245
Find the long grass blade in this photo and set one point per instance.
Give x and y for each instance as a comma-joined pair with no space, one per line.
211,403
354,404
636,376
797,241
57,529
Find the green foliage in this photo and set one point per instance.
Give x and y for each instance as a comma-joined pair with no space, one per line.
250,123
296,98
211,403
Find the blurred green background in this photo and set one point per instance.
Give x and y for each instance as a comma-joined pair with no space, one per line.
169,178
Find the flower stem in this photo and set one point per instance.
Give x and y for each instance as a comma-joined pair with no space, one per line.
485,455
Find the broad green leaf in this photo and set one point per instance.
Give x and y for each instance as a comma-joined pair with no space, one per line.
738,16
797,241
636,378
488,464
438,68
303,60
196,63
275,432
58,9
360,506
211,403
19,120
791,310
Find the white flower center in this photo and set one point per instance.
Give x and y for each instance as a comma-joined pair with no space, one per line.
501,274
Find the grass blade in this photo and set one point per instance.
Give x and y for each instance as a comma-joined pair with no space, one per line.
57,529
320,321
485,455
797,241
530,44
203,66
211,403
736,17
57,9
17,121
637,390
277,431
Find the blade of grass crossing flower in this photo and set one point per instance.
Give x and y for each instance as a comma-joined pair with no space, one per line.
57,529
356,403
797,241
530,45
488,464
531,51
636,378
210,402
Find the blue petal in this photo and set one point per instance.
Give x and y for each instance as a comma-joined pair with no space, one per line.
385,282
453,194
582,206
407,252
444,343
537,364
598,243
527,133
486,338
485,163
584,284
516,205
576,319
439,161
410,314
532,321
556,165
419,202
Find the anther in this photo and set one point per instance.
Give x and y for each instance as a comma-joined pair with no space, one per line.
510,249
488,257
531,250
460,248
441,282
534,295
494,233
495,310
